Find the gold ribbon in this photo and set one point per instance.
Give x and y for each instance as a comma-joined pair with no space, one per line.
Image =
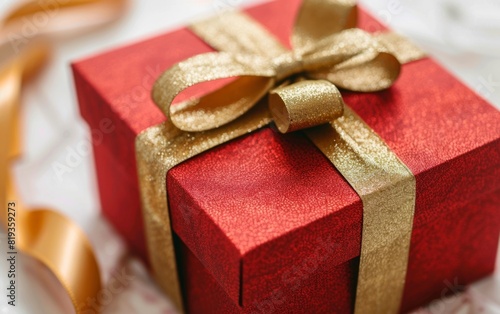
387,189
350,59
328,52
42,233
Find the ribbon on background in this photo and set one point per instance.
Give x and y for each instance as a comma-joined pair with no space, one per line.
328,52
43,233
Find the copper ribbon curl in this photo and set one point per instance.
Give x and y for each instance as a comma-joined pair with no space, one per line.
328,52
41,233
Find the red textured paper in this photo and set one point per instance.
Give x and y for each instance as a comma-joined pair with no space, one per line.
252,213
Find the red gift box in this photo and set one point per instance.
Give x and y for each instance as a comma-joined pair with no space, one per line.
265,223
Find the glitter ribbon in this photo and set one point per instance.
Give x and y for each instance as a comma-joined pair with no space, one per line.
328,52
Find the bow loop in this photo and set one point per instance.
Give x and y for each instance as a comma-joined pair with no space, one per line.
255,76
371,71
335,49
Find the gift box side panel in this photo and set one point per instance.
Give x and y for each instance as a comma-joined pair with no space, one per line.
452,251
332,286
116,178
212,246
457,182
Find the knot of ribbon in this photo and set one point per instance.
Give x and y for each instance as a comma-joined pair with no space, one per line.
303,83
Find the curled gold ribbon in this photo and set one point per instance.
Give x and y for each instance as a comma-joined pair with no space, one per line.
42,233
328,52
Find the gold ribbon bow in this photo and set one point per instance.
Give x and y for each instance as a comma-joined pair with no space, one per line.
328,53
326,49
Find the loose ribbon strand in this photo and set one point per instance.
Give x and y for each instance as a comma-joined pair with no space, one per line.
44,234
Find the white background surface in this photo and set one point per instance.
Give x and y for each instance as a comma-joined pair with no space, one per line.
463,35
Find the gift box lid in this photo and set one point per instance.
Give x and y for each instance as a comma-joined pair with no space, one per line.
251,208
